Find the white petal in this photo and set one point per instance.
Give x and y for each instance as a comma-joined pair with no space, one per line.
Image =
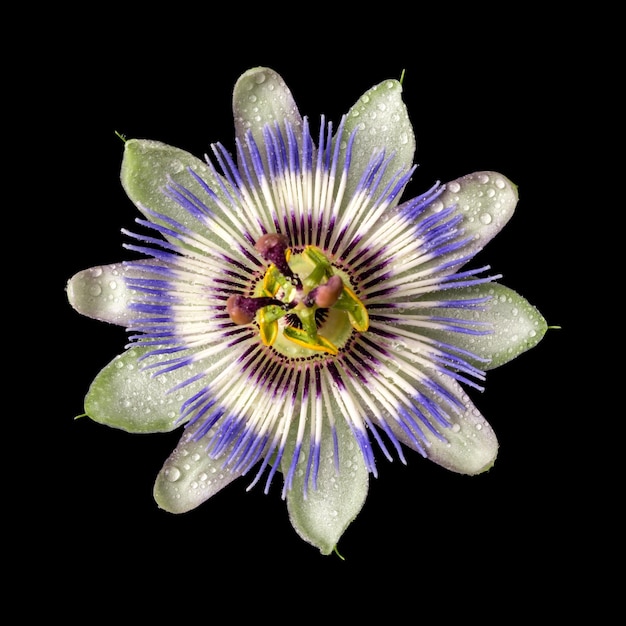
190,476
261,97
101,293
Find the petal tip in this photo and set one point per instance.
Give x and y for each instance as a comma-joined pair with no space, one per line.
100,293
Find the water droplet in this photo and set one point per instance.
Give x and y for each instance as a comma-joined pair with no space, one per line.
172,474
113,284
404,138
96,271
500,184
365,98
95,290
252,98
259,78
195,456
454,187
485,218
456,428
483,178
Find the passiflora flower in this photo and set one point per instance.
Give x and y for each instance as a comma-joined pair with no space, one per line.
296,318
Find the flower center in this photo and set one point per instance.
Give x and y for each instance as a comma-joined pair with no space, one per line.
303,302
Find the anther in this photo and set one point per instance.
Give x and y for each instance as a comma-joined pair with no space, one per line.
242,310
325,295
273,248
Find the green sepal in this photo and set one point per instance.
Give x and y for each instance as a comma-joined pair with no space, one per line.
148,167
468,446
513,323
125,395
322,515
383,122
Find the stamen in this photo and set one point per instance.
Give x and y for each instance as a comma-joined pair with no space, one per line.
242,310
325,295
274,248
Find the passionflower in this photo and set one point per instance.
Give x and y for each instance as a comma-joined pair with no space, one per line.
295,316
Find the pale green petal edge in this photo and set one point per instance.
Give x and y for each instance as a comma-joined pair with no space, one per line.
261,97
101,292
485,200
149,166
470,445
383,123
190,476
322,515
514,324
124,395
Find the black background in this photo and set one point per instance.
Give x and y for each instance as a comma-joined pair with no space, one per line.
482,97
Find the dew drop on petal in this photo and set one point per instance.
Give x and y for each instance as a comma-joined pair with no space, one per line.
485,218
172,473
